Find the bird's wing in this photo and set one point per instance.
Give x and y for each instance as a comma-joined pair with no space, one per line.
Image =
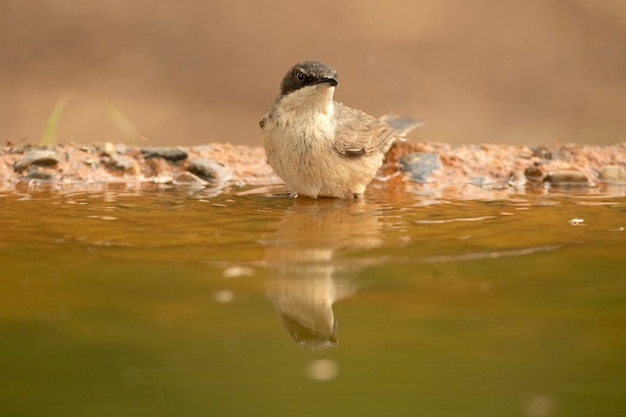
401,125
357,133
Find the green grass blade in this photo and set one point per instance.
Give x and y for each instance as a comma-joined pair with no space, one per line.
123,124
49,135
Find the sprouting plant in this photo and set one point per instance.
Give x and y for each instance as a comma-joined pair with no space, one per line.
49,135
122,123
119,119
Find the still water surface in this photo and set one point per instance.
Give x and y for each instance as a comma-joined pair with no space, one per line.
175,302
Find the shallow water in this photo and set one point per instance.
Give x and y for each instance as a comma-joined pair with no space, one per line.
170,301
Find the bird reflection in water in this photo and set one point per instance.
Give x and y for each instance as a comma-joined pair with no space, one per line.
301,252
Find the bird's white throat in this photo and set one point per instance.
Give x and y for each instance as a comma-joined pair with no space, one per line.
312,99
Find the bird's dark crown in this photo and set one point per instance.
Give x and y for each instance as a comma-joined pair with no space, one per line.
307,73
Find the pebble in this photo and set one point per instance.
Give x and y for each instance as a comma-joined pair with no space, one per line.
108,148
420,165
40,157
613,173
168,153
39,175
517,179
567,176
209,169
552,153
121,162
163,179
186,178
532,173
541,152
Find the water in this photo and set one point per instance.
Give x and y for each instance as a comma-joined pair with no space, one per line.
168,301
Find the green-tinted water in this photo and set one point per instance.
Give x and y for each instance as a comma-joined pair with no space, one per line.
169,302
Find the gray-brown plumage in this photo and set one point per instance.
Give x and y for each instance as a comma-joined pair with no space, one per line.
322,148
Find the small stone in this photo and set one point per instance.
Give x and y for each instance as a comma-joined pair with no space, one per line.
163,179
121,162
168,153
186,178
541,152
109,148
517,179
39,175
552,153
567,176
533,173
420,165
209,169
613,173
525,153
39,157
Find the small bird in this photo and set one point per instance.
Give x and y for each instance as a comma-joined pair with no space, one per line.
320,147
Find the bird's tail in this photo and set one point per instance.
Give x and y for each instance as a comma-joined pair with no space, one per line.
401,124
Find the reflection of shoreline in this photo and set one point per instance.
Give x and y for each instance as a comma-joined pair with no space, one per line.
301,249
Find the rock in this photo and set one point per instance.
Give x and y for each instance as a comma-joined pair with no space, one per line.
168,153
517,179
121,162
163,179
567,176
39,157
551,153
209,169
541,152
121,148
613,173
419,165
187,178
534,174
39,175
108,149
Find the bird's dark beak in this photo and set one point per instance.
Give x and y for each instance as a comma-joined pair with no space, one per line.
328,80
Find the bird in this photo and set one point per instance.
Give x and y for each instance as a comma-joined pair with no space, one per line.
320,147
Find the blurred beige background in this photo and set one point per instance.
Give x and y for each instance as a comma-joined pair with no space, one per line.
192,72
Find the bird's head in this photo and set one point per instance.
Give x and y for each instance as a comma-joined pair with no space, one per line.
308,85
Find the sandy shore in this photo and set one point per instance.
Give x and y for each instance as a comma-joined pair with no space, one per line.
217,164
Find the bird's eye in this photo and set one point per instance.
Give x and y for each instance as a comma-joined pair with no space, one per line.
300,75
